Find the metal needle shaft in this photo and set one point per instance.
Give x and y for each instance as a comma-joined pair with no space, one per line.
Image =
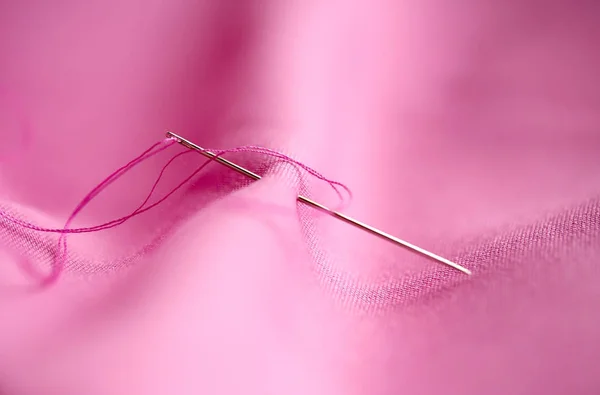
321,207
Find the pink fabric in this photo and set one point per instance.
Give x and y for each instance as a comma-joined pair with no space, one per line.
468,128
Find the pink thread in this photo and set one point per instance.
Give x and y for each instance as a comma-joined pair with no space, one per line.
287,159
156,148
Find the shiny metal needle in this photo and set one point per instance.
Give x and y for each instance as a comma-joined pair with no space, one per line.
320,207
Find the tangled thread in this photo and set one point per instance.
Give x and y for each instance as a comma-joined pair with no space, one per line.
61,257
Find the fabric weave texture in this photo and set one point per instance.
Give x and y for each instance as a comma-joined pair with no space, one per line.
468,128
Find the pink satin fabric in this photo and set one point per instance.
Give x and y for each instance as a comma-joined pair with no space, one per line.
468,128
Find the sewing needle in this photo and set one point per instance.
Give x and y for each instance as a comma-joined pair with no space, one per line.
318,206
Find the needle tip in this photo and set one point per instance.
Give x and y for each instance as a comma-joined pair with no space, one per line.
462,269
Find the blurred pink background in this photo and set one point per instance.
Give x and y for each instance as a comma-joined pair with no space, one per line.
469,128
